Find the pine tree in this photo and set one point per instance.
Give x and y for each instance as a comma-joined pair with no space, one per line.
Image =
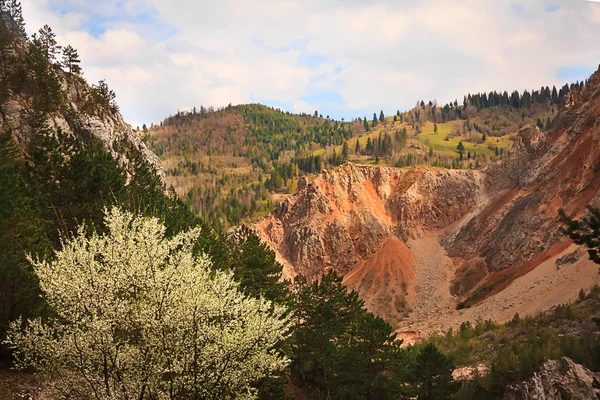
71,60
345,151
374,120
460,147
585,232
48,43
366,124
548,124
435,128
254,266
431,375
357,148
15,11
540,124
381,116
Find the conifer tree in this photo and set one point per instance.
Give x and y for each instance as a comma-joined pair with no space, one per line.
381,116
548,124
345,151
431,375
71,60
357,148
49,46
585,232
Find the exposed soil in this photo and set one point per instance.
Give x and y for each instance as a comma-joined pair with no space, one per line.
542,288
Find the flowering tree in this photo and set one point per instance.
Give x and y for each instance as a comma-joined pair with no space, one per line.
139,317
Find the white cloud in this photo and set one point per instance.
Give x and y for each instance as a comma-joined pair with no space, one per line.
164,55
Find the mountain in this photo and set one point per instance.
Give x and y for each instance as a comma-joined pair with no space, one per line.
234,164
419,242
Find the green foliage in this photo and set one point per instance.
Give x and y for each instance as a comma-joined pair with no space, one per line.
515,350
431,375
255,267
584,232
23,230
339,350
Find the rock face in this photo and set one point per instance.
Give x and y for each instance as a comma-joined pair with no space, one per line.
496,224
79,114
557,380
519,227
344,216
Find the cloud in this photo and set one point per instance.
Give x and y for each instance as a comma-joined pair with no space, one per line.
345,58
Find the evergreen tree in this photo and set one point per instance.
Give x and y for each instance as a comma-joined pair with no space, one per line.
431,375
255,267
15,11
366,124
548,124
435,128
357,148
71,60
381,116
345,151
460,147
585,232
339,349
540,124
105,97
47,40
374,124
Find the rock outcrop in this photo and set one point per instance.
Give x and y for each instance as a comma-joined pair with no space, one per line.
343,217
560,379
78,112
519,227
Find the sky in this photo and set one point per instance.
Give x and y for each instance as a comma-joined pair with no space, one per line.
344,58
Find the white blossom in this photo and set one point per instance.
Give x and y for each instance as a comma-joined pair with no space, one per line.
137,316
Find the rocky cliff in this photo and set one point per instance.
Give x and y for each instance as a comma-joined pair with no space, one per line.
495,224
560,379
518,228
36,93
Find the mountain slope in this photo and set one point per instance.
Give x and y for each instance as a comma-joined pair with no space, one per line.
494,225
234,164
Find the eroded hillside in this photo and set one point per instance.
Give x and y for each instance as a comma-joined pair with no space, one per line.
418,242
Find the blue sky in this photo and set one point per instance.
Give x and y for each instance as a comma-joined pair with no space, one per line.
343,58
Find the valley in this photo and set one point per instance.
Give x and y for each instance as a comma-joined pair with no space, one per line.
445,251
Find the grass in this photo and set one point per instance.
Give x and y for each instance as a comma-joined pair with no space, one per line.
448,147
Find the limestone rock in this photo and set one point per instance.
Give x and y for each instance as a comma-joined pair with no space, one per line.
560,379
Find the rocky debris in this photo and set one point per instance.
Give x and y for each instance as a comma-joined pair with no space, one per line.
544,172
569,258
467,373
560,379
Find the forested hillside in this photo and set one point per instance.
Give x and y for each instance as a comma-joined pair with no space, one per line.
234,164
